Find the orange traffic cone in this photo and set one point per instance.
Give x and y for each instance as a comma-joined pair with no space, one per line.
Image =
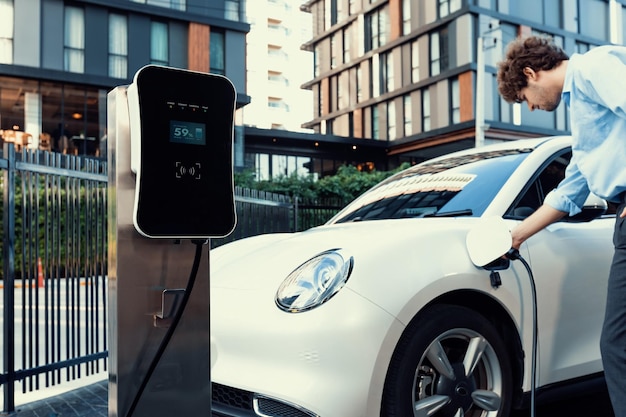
40,282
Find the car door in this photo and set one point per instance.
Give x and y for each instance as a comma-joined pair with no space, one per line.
570,263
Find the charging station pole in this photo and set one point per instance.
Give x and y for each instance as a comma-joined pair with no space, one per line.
148,271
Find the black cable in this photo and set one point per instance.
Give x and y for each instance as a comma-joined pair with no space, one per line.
172,328
515,255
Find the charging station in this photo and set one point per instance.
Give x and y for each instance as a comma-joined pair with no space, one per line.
170,190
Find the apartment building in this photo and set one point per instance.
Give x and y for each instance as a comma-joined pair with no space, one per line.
60,58
389,81
405,72
278,66
276,141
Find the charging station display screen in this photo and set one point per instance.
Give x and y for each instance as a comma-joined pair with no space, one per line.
185,180
187,132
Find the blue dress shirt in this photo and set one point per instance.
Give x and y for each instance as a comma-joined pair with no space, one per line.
595,92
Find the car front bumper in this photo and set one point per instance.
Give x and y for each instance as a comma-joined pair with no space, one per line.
329,361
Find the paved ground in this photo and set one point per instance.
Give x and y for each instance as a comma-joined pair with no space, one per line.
88,401
92,401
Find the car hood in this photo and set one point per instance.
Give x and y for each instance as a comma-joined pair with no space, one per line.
379,247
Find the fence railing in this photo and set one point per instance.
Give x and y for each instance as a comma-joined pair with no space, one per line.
53,270
259,212
309,214
54,258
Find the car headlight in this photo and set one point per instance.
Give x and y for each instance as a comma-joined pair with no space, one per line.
315,281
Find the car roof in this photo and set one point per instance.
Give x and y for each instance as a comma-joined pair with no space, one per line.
530,144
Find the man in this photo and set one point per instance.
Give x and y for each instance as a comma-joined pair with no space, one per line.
593,85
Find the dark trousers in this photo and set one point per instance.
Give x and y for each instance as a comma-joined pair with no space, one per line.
613,340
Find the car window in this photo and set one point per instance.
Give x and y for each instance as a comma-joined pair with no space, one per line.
445,187
545,181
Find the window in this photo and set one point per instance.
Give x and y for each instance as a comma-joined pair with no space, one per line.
582,47
594,18
339,96
528,9
345,35
170,4
340,12
425,110
262,166
386,73
406,17
455,101
375,123
359,82
330,13
391,120
435,57
438,52
448,6
316,60
54,110
118,46
415,62
533,197
268,166
6,31
407,115
159,43
351,7
376,29
570,16
74,40
231,10
328,127
333,51
374,74
216,51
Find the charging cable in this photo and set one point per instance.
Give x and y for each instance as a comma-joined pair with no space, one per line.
170,331
515,255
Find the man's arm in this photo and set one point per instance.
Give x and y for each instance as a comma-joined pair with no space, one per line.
542,217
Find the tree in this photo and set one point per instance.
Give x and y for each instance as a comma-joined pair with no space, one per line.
346,185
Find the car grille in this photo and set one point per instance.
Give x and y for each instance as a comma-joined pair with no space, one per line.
231,397
233,402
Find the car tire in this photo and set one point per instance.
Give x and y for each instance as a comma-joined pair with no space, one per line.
428,377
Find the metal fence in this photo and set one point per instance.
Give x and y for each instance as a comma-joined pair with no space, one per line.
54,258
53,270
261,212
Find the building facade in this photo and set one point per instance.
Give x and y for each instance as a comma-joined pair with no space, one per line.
405,72
276,141
278,66
60,58
389,81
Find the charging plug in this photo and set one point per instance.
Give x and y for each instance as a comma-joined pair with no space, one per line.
513,254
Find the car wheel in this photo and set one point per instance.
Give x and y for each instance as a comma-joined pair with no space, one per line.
450,362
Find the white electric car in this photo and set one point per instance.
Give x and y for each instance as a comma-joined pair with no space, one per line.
380,312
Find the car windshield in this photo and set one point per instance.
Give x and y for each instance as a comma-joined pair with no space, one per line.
455,186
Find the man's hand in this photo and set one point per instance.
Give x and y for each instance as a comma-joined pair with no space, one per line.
542,217
623,214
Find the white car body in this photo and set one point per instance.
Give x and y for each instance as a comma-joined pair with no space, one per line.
334,359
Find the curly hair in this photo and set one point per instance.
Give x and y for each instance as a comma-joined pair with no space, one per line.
536,52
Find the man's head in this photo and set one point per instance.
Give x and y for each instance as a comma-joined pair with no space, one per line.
528,73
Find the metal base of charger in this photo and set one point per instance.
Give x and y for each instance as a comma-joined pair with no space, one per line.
146,277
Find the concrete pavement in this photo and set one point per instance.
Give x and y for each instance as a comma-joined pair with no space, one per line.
88,401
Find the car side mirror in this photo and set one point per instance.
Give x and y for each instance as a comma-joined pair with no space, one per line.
593,208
